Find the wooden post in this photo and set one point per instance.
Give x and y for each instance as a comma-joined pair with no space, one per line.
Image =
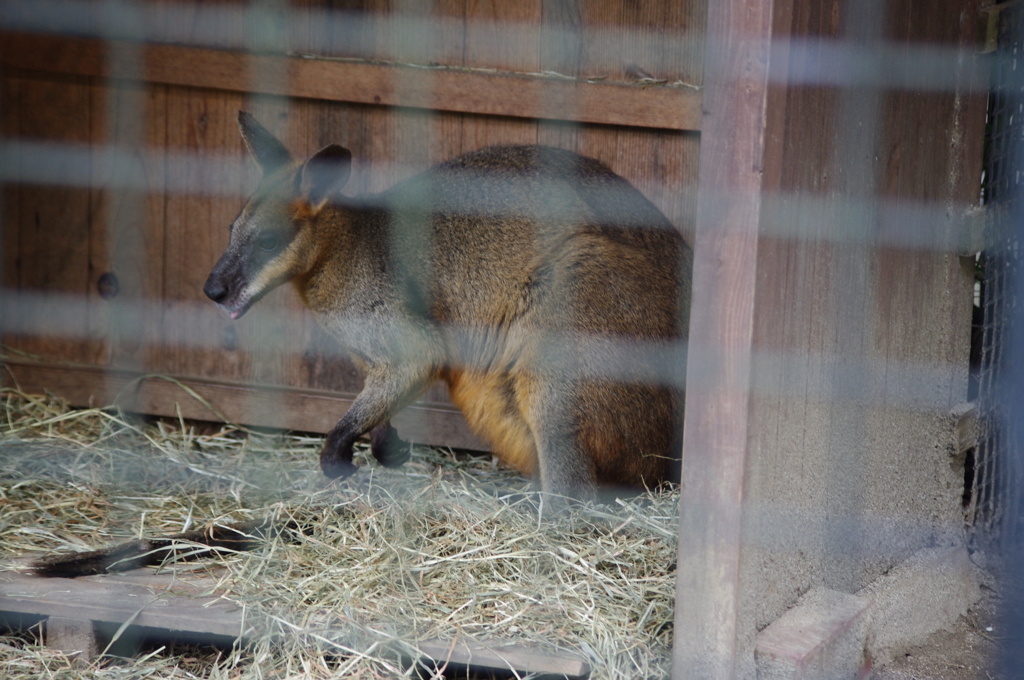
721,333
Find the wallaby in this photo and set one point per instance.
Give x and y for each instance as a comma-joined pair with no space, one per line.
540,286
518,275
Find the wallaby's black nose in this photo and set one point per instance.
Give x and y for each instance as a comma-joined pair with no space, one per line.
215,289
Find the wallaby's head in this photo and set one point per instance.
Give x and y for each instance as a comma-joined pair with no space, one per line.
273,238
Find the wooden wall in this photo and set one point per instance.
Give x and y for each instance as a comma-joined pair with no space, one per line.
832,300
167,105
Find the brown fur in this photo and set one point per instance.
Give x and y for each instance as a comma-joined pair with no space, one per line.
521,276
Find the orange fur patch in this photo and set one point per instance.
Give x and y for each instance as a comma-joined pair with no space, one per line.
489,409
301,210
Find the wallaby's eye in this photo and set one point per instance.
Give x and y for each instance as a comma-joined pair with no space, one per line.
269,242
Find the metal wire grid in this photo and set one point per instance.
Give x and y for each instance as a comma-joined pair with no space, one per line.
997,491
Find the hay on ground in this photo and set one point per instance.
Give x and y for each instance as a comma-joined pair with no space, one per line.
448,545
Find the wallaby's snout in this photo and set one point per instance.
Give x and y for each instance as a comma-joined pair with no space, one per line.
230,286
215,288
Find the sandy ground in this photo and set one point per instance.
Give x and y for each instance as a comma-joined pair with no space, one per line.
966,652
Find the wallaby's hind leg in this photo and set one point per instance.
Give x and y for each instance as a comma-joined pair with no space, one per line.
387,447
566,469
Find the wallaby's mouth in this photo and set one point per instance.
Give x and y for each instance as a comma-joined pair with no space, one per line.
227,299
238,307
240,303
236,297
234,310
237,314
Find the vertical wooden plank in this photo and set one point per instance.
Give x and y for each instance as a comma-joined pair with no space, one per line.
10,204
653,39
662,165
687,62
660,39
103,174
401,142
503,35
481,131
601,47
663,39
923,285
202,128
559,134
345,124
506,36
423,138
447,139
53,226
392,34
381,123
600,142
561,51
724,278
450,34
381,171
561,37
325,31
793,318
827,297
151,293
201,23
602,39
127,222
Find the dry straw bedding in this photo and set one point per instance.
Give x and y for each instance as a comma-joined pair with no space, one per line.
448,545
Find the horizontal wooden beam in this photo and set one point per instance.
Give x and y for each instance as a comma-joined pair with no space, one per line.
442,89
176,601
281,407
187,602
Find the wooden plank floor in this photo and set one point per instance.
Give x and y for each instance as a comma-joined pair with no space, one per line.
168,601
187,602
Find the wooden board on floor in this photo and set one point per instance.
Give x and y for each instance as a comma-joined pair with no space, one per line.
169,601
186,601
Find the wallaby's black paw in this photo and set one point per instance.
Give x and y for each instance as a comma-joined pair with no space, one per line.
336,457
336,468
387,447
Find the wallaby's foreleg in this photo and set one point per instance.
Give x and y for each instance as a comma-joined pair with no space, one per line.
387,447
387,390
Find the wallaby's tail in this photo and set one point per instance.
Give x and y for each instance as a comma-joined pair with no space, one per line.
211,541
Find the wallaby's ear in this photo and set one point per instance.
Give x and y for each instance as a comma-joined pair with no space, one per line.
325,173
269,153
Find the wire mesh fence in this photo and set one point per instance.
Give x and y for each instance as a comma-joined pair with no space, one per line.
999,502
997,485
